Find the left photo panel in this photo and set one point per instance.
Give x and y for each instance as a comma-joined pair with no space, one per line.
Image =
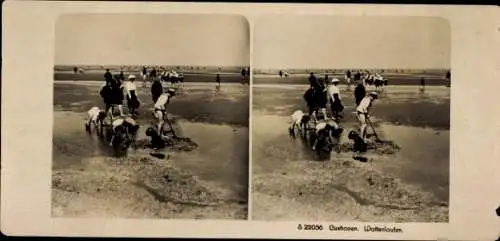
151,115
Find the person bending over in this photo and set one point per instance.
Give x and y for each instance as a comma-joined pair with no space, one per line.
299,120
124,126
327,128
362,112
95,117
160,108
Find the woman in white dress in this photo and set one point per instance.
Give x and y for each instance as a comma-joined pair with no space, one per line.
130,92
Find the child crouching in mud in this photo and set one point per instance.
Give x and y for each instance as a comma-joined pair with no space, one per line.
124,129
299,121
95,118
327,129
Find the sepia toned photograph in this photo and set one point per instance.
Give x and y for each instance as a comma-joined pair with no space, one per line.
151,116
351,118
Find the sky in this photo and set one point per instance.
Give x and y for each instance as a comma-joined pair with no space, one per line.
351,42
163,39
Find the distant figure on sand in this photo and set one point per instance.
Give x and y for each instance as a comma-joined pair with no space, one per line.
217,79
243,75
281,74
422,84
448,78
348,79
75,70
122,76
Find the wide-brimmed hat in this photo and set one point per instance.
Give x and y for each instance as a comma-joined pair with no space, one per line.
374,94
171,91
131,76
335,80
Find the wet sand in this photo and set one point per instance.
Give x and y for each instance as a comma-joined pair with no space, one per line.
411,185
210,182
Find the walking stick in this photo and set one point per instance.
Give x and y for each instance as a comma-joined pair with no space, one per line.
377,139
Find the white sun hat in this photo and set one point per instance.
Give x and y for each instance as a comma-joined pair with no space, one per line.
335,80
131,76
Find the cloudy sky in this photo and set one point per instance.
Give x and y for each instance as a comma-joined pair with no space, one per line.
351,42
152,39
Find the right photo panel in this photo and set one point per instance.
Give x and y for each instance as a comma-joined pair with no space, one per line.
351,118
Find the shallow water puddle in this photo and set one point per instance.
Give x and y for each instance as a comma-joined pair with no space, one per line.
423,157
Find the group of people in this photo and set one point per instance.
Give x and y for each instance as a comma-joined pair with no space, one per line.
283,74
326,125
114,92
368,79
161,74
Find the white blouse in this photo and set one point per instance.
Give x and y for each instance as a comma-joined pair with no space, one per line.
129,86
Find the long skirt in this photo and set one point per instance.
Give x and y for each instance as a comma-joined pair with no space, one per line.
132,101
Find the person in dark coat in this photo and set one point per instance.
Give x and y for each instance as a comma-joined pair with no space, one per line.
122,76
116,96
108,77
243,75
357,76
313,82
106,94
359,92
153,73
321,97
156,90
281,74
309,98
